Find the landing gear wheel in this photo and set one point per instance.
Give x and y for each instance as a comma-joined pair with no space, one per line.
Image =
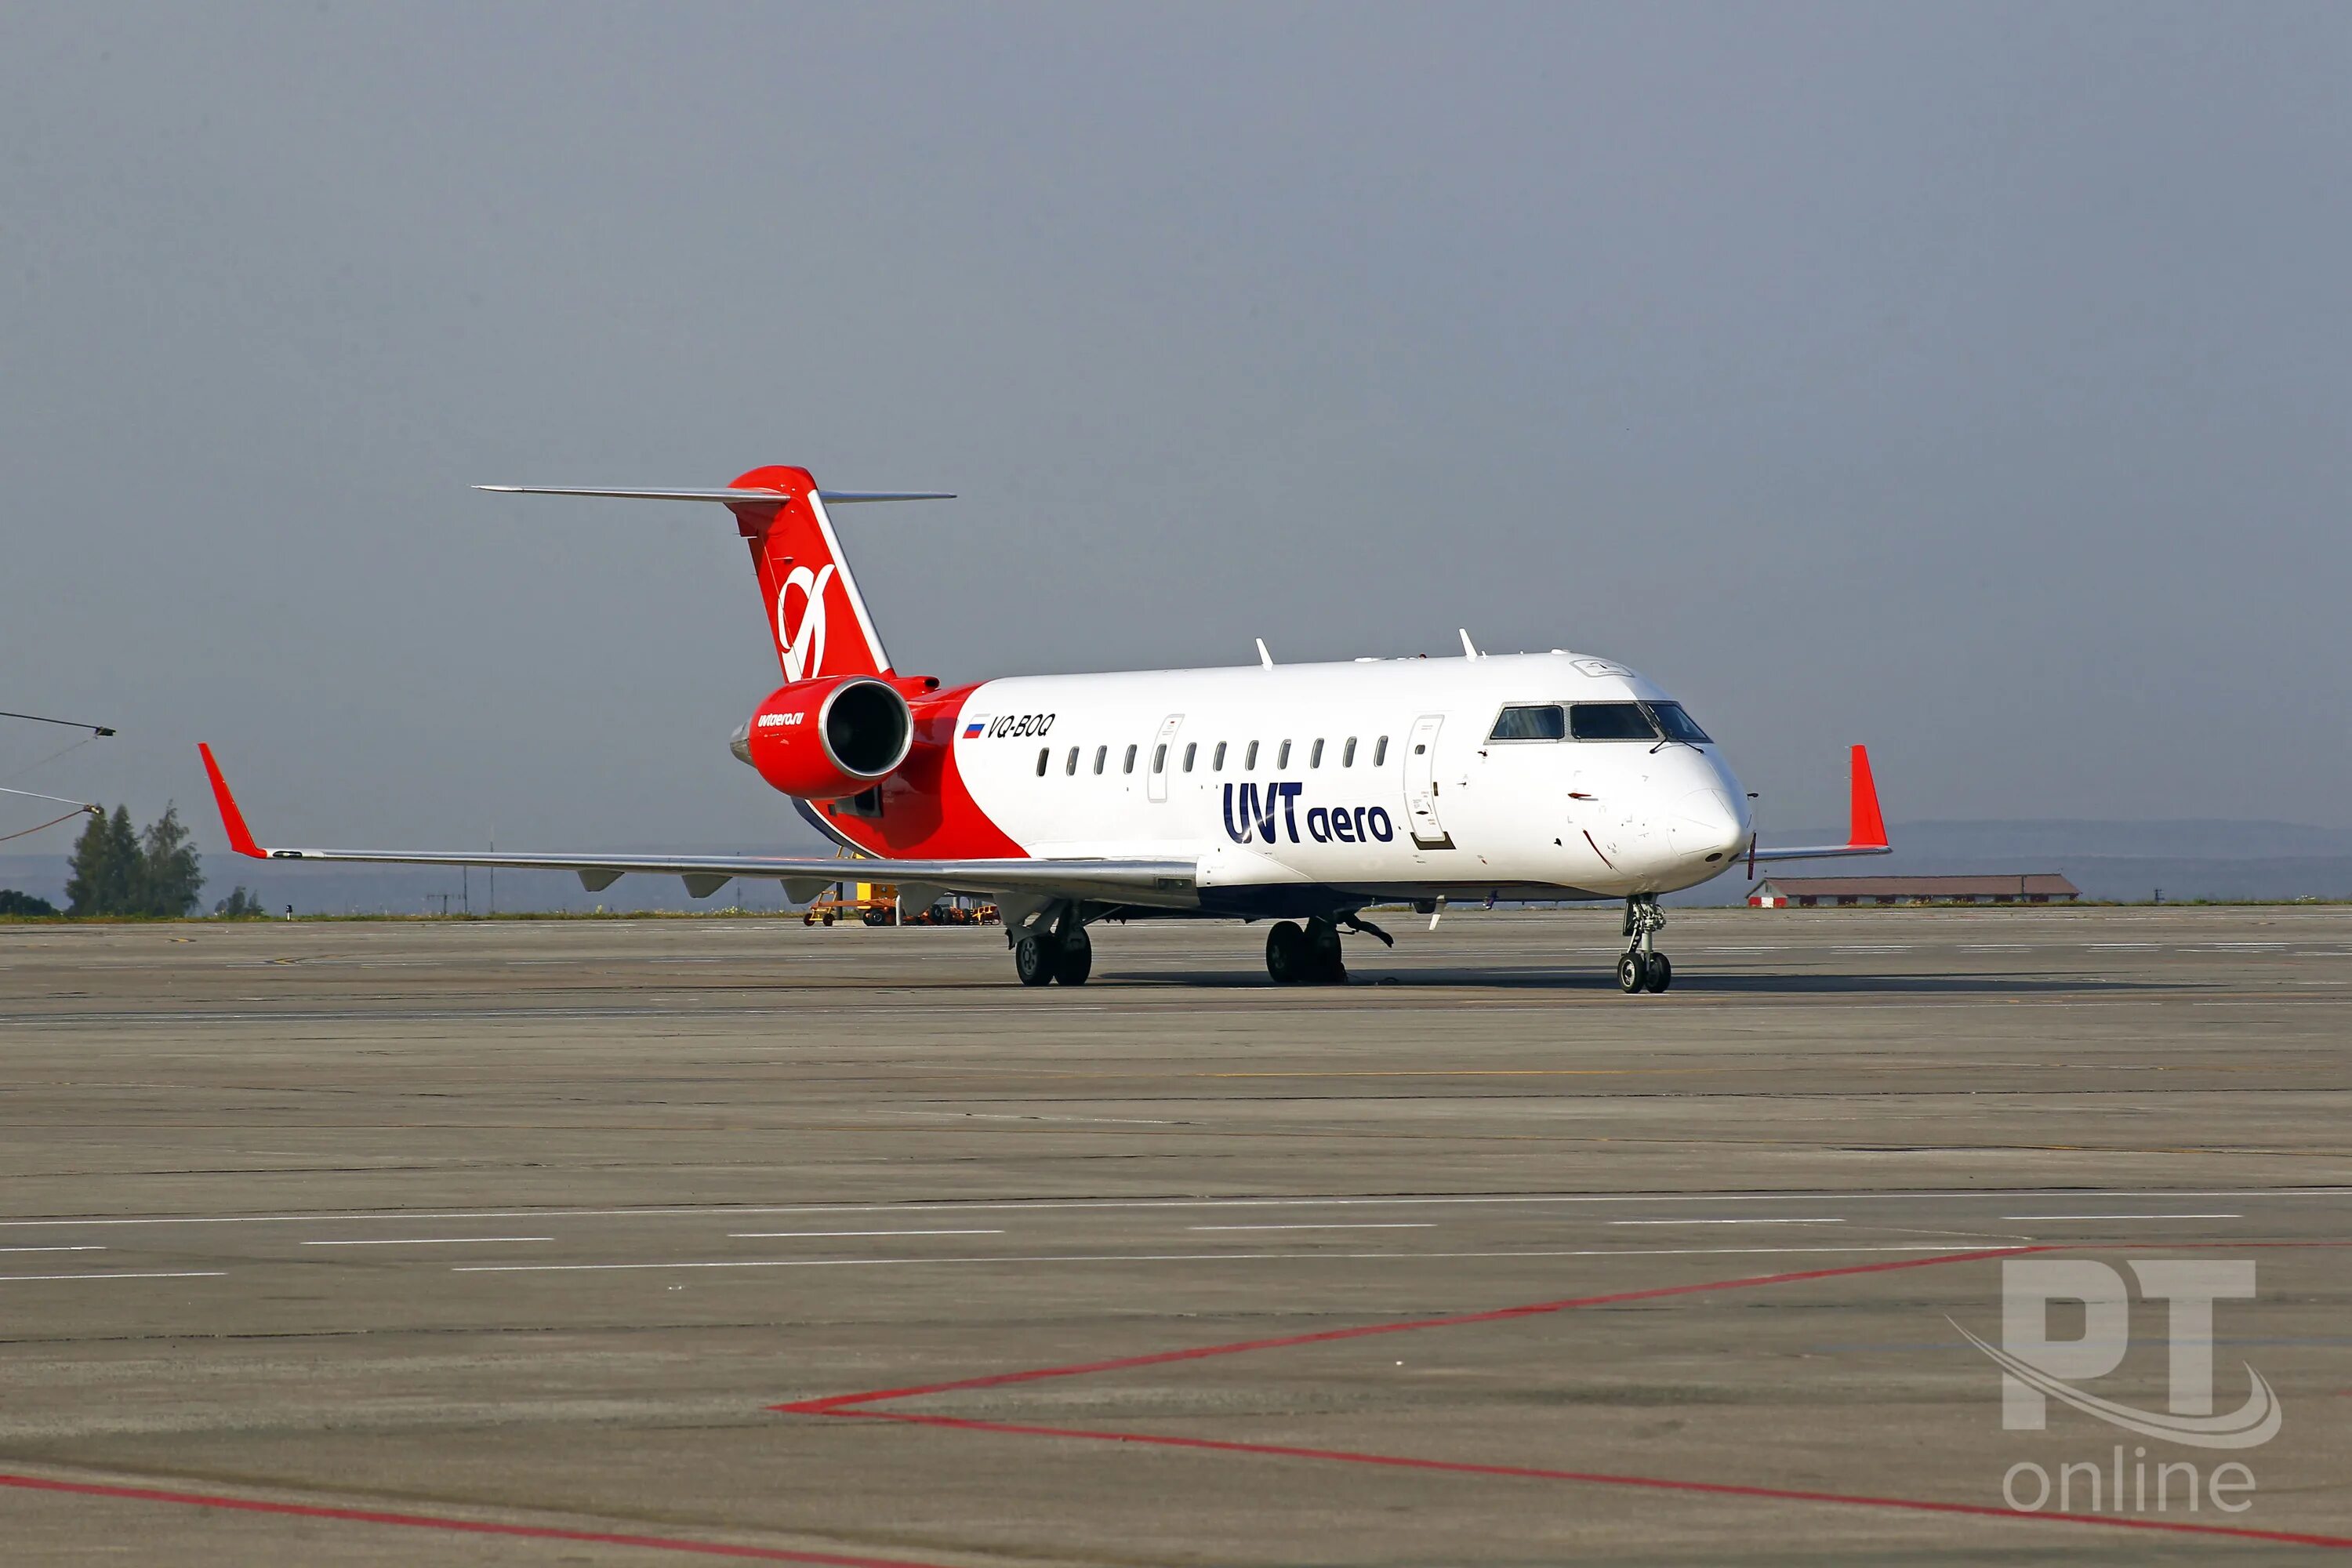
1034,959
1325,966
1077,959
1286,953
1632,974
1660,972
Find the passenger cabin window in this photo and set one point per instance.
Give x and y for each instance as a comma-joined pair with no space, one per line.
1043,753
1315,757
1677,725
1609,722
1191,749
1160,758
1532,721
1129,766
1071,767
1249,758
1282,757
1102,754
1380,751
1348,753
1218,761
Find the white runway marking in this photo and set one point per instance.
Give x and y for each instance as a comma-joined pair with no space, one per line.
430,1241
1999,947
1195,1258
1766,1220
2112,1216
84,1246
180,1274
1364,1225
780,1235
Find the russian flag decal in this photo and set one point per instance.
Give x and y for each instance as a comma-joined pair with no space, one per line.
972,731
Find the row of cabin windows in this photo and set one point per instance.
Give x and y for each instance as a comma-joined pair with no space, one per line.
1216,758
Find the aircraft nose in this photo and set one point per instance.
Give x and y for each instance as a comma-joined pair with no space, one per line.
1706,826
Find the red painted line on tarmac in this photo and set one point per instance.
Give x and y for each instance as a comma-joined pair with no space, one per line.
460,1526
841,1402
1596,1478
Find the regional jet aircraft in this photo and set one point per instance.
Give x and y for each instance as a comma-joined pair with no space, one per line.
1300,794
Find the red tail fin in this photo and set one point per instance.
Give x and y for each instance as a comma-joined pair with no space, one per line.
1867,828
815,616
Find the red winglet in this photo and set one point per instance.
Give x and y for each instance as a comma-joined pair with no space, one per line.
1868,830
240,838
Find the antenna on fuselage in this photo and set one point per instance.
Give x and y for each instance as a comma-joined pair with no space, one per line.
1263,657
1468,649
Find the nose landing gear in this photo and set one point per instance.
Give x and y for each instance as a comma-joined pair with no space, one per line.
1642,967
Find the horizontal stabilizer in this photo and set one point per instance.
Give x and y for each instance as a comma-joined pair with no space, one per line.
726,497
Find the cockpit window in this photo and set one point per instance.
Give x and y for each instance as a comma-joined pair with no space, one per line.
1609,722
1677,725
1533,722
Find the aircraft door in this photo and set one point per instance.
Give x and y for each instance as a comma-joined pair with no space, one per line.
1420,783
1162,757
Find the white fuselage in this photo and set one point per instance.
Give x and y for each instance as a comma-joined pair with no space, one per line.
1377,778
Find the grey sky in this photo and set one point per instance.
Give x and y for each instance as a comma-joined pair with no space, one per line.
1975,380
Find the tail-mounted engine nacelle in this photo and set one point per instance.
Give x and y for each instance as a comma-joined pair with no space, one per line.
821,740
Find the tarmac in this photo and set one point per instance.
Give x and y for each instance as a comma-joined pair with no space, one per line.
633,1241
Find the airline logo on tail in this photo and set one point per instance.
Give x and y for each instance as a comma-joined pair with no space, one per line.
802,646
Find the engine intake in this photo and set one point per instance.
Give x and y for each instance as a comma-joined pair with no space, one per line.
821,740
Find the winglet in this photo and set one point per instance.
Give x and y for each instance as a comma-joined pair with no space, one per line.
1868,830
240,838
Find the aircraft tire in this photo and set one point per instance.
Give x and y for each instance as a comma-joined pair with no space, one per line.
1286,953
1033,960
1658,973
1632,974
1077,959
1325,966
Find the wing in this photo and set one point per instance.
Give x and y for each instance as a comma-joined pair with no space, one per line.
1162,884
1866,834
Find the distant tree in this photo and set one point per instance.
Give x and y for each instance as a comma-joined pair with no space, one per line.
13,902
240,905
117,872
169,880
106,865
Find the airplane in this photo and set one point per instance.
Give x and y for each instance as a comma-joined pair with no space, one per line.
1300,794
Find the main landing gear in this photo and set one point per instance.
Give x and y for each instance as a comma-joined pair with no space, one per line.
1643,968
1048,953
1304,957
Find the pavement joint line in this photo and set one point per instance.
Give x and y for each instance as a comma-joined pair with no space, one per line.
1177,1258
427,1241
1107,1205
783,1234
1336,1225
2111,1216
